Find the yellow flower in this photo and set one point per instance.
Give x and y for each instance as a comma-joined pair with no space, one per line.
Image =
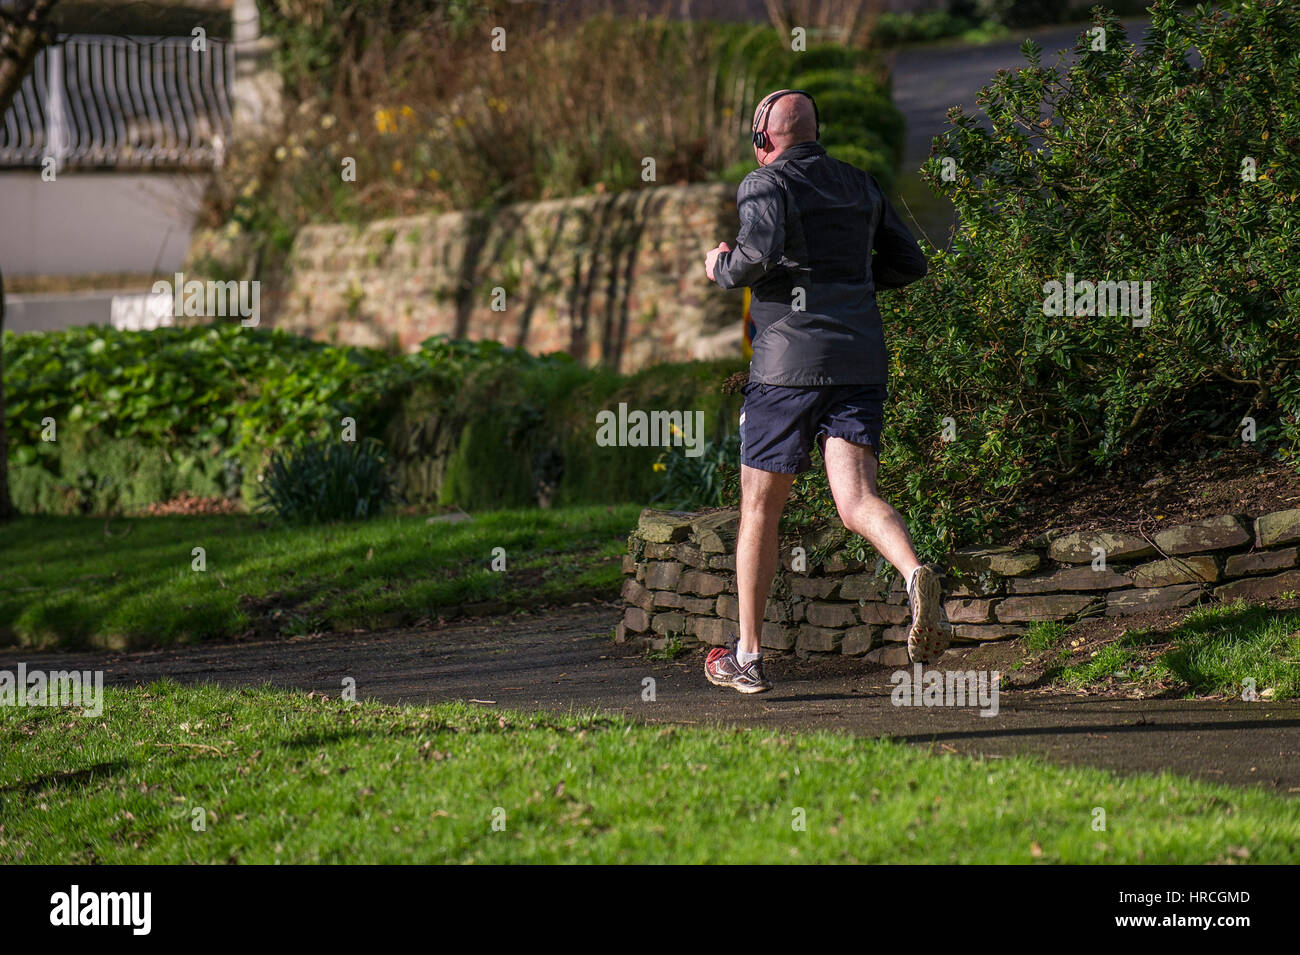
407,112
460,122
397,166
384,121
280,153
327,121
660,466
434,175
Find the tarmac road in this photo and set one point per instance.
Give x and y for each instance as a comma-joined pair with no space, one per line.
563,660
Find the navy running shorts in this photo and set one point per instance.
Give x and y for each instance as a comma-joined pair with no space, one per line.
778,423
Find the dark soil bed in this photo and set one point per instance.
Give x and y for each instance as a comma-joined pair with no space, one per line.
1143,498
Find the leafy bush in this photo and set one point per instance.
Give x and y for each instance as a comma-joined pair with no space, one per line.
855,125
529,437
328,480
893,29
195,388
408,94
147,416
1128,165
90,475
1022,13
691,483
860,123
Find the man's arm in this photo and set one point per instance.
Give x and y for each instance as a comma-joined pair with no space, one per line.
761,241
896,260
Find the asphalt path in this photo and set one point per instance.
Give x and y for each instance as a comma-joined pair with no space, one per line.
563,660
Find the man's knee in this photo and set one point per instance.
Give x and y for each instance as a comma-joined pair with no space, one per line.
762,506
853,510
764,497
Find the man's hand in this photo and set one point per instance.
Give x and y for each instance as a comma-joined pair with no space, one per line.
711,259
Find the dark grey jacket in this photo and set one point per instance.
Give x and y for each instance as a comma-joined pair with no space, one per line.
811,222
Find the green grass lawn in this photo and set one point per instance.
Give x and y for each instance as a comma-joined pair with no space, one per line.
1213,651
65,582
283,777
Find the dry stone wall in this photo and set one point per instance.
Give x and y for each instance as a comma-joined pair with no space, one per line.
680,583
616,279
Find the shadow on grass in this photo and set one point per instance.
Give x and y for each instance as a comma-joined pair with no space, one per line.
1100,729
63,779
1214,648
63,584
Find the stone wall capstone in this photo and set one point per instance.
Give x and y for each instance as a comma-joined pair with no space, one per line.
680,583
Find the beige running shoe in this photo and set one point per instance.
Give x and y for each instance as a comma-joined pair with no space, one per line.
722,668
929,635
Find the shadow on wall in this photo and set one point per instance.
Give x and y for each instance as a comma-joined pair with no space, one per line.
599,281
615,280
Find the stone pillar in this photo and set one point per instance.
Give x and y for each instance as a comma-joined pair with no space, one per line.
259,92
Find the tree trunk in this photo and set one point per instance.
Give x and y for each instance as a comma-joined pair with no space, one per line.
22,35
6,505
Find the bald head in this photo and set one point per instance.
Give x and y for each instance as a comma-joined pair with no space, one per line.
790,120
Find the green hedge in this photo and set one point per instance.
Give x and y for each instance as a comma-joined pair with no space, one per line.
1127,166
860,124
141,417
144,416
527,435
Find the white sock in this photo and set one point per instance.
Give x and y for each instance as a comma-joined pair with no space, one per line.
745,659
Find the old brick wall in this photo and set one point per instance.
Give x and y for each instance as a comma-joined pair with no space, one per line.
615,278
680,583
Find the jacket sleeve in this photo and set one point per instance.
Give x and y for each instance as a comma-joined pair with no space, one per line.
761,242
896,258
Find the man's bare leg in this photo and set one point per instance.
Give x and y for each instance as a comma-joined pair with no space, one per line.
851,473
762,498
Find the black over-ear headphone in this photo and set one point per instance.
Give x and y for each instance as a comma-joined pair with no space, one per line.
760,135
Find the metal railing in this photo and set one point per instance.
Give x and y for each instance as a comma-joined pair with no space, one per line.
110,101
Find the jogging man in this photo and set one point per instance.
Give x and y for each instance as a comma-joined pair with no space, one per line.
817,239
